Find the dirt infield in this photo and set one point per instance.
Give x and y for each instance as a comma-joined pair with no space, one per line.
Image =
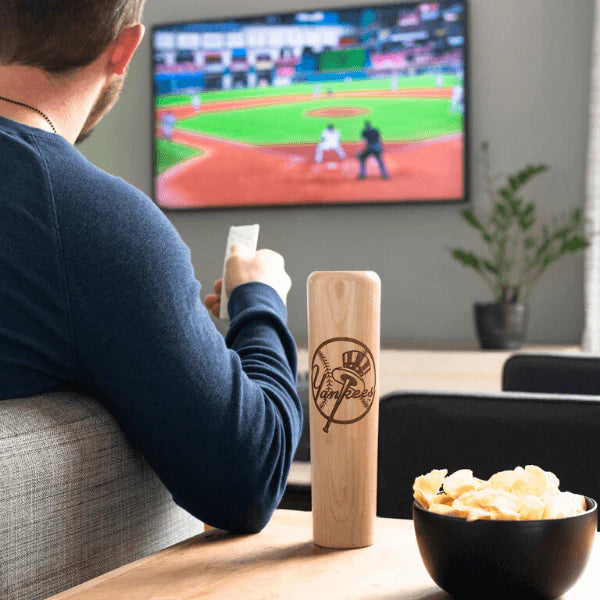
183,112
235,174
336,112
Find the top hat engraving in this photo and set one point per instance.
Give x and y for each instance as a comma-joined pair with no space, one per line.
356,361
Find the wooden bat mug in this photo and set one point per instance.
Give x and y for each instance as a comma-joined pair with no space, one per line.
343,339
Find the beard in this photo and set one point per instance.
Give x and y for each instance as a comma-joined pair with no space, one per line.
107,98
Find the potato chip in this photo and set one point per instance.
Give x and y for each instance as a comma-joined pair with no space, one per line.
468,502
531,508
523,494
532,482
458,483
444,509
501,515
427,486
503,480
563,505
552,483
442,499
501,504
478,514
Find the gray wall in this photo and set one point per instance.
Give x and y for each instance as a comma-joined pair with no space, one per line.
530,62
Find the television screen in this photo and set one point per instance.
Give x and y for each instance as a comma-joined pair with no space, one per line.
361,105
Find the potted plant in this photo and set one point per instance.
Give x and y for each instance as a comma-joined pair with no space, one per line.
519,251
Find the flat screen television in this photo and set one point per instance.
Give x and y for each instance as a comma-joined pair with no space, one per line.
358,105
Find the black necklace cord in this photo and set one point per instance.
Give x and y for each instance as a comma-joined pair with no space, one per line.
37,110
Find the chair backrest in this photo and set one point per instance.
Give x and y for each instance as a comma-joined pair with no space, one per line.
420,431
303,450
552,374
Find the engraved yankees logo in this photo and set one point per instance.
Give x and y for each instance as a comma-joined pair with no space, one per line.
343,381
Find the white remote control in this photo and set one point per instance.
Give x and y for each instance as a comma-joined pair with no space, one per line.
244,235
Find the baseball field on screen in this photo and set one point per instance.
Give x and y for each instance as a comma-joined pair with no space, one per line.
256,146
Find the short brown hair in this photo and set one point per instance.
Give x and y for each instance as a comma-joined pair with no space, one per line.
61,35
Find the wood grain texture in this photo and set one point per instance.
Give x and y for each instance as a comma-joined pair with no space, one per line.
281,562
343,343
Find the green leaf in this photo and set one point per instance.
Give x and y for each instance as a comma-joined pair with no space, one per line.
528,172
505,194
501,210
527,217
576,216
574,244
468,259
471,219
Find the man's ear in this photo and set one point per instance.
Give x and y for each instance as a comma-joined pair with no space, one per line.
123,48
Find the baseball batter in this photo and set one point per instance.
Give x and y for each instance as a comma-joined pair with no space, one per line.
330,140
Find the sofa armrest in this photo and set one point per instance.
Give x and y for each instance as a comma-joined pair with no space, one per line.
552,374
76,499
488,432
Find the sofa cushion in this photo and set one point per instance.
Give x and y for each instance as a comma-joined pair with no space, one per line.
76,500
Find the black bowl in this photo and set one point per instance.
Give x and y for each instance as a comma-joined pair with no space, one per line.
505,559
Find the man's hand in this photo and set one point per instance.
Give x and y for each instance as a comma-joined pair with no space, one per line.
213,301
265,266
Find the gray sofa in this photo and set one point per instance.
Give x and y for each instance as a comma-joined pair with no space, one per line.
76,500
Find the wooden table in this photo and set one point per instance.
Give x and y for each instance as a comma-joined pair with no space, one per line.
282,562
442,366
434,366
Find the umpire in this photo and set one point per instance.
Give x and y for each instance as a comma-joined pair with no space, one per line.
373,147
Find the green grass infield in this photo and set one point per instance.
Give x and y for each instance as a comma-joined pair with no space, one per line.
398,119
168,154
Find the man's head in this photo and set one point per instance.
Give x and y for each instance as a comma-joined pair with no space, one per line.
330,127
65,37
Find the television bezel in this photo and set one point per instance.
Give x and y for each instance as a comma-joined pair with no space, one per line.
355,203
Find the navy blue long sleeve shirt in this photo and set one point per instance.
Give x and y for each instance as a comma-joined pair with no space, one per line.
97,290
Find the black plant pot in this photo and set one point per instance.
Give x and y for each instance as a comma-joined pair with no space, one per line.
501,325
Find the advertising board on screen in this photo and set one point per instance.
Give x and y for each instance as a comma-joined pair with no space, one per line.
361,105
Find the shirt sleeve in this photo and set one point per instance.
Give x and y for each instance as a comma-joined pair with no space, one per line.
217,419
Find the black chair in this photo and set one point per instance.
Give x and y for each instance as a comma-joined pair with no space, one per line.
420,431
552,374
297,496
555,428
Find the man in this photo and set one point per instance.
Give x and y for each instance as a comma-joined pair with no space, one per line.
167,124
373,147
97,289
197,102
330,140
457,101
